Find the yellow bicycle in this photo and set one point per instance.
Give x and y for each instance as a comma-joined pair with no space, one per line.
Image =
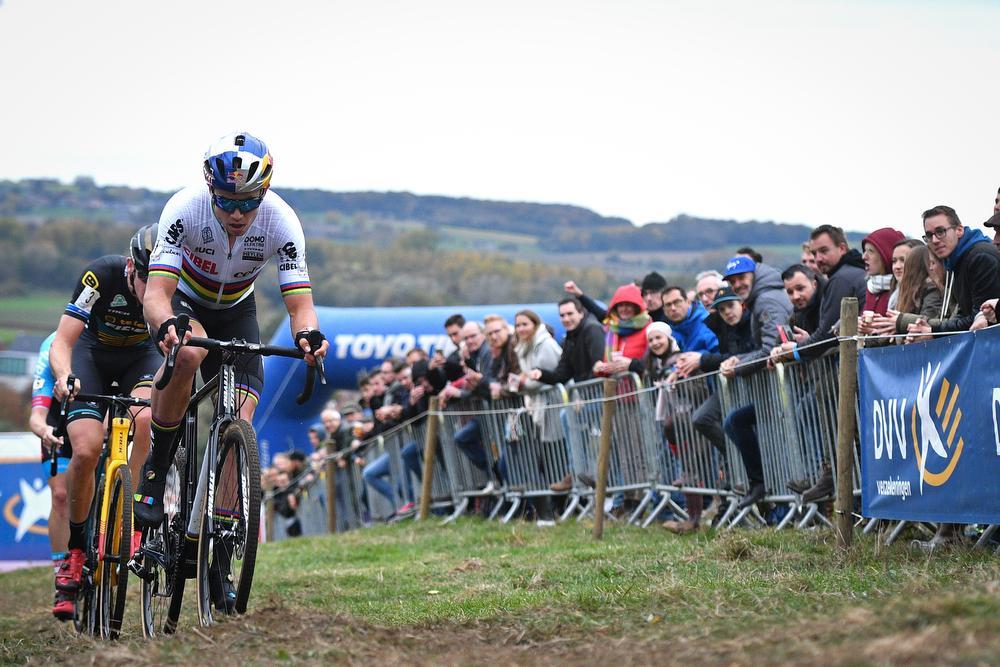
100,599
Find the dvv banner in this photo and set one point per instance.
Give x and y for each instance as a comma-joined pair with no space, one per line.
930,429
25,499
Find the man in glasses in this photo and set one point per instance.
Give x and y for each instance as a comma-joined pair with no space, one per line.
972,263
212,242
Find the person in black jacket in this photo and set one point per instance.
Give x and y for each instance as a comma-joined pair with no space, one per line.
582,348
806,290
733,327
845,274
972,262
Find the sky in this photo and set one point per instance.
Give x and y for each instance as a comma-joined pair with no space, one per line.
859,114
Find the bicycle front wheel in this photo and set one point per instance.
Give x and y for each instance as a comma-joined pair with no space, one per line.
117,543
230,525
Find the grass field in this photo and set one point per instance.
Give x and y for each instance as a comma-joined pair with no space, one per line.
35,313
478,592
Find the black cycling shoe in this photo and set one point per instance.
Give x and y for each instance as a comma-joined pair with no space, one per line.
149,496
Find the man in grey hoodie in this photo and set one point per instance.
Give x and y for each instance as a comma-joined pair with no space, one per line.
763,293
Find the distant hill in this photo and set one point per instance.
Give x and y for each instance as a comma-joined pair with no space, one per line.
379,216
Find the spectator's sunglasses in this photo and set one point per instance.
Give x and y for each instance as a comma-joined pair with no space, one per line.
230,205
938,233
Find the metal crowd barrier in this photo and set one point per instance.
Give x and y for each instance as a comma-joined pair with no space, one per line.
527,443
633,466
533,452
467,481
766,392
689,463
310,514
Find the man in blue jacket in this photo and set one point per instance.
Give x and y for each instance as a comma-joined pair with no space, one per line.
687,321
972,262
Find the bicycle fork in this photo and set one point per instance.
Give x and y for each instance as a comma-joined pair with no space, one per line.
118,446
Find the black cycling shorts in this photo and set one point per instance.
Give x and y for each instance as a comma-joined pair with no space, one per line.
98,367
239,322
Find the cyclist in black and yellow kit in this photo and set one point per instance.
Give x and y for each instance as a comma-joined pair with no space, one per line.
101,339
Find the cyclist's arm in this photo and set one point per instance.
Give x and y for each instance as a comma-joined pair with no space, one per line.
156,305
61,352
36,422
302,316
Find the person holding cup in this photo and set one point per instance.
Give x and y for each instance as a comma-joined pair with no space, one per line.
624,333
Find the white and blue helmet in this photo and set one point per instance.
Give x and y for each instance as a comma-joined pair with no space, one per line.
238,162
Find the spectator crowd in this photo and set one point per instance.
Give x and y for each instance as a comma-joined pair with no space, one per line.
732,320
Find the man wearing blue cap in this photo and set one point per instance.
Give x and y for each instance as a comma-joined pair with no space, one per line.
763,294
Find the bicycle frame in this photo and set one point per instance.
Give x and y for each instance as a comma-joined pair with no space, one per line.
225,413
117,450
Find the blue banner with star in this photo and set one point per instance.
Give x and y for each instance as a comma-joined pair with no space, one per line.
25,499
930,429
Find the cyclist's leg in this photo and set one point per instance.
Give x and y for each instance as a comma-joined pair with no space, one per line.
167,413
85,429
139,376
59,512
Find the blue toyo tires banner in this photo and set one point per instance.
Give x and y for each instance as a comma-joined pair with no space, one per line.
930,429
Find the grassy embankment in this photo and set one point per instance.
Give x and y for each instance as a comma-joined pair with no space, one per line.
516,594
33,313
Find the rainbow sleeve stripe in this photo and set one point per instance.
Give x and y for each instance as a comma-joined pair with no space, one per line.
302,287
165,270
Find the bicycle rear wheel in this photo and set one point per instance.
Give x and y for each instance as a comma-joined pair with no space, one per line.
230,525
113,565
163,589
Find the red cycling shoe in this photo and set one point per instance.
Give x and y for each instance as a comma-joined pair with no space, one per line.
70,572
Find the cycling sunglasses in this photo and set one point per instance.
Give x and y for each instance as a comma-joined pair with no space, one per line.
230,205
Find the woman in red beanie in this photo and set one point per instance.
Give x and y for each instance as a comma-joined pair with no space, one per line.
877,253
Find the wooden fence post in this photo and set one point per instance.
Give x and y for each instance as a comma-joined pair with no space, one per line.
430,451
846,422
607,420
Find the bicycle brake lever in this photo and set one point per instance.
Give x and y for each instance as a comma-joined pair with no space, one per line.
180,328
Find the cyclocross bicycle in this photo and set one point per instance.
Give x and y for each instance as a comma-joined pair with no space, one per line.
212,512
100,599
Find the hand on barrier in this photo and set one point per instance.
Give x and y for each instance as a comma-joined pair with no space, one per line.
687,363
727,367
989,310
884,325
781,354
986,316
916,329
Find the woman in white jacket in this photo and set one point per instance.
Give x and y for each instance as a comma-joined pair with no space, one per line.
535,348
